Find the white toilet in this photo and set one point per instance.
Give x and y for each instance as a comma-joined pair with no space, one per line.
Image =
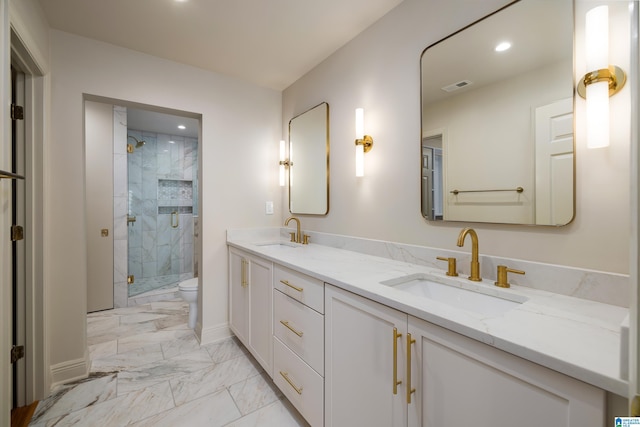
189,292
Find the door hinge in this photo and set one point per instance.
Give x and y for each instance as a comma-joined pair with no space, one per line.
17,353
17,112
17,233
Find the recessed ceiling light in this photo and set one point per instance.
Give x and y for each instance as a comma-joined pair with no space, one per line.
501,47
172,142
182,127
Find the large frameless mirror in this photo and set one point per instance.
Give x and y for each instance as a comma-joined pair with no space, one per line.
497,122
309,157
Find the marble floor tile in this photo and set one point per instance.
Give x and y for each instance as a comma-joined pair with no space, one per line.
148,369
212,379
164,370
186,343
120,333
212,410
103,349
80,395
226,349
254,393
278,414
128,360
121,411
152,336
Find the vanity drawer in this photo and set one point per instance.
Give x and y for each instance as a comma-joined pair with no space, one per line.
299,328
299,383
301,287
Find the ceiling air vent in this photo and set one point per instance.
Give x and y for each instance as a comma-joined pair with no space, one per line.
456,86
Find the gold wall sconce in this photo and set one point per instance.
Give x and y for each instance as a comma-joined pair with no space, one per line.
364,143
284,163
603,81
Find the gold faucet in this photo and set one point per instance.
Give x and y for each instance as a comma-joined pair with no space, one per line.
475,264
295,237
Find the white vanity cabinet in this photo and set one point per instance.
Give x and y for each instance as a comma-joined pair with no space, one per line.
298,341
372,361
251,304
363,359
461,381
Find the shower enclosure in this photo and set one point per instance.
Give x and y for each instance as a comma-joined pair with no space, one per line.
161,209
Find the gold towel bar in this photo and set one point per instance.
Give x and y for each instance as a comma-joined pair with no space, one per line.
517,189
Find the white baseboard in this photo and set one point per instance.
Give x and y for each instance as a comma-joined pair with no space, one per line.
70,370
213,334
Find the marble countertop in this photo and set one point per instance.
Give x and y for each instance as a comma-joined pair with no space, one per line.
577,337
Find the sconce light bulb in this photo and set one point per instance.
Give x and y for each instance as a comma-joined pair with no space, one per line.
360,160
597,38
597,112
597,94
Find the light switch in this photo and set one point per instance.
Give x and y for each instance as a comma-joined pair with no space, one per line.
268,208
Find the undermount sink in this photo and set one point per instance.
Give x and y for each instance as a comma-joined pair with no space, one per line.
278,244
422,285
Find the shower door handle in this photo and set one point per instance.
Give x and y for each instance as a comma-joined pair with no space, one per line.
175,219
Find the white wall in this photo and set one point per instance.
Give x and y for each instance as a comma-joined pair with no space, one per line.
379,70
240,134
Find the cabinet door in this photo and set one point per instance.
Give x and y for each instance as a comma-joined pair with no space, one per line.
461,381
261,307
239,295
360,362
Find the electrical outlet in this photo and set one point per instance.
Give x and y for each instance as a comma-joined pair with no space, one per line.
268,208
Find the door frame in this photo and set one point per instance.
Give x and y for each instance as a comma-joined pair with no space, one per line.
38,381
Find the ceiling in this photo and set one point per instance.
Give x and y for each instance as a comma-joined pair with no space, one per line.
271,43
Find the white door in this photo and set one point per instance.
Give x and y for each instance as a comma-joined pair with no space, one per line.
99,204
554,163
359,362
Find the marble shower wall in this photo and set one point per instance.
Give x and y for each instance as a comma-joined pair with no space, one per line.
120,251
164,180
162,195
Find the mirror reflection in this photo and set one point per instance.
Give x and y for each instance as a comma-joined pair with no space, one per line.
497,123
309,156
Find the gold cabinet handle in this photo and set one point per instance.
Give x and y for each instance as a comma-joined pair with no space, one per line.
244,281
409,389
291,328
285,375
396,335
175,219
285,282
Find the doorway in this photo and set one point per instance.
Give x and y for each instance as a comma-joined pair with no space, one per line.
149,208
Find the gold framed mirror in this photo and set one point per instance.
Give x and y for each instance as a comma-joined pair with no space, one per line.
497,126
309,162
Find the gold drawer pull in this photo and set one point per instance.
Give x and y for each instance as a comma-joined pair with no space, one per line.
291,328
243,281
285,375
285,282
409,389
396,382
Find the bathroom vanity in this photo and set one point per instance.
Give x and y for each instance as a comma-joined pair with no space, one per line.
349,342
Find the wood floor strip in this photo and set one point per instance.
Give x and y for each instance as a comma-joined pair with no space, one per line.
20,417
